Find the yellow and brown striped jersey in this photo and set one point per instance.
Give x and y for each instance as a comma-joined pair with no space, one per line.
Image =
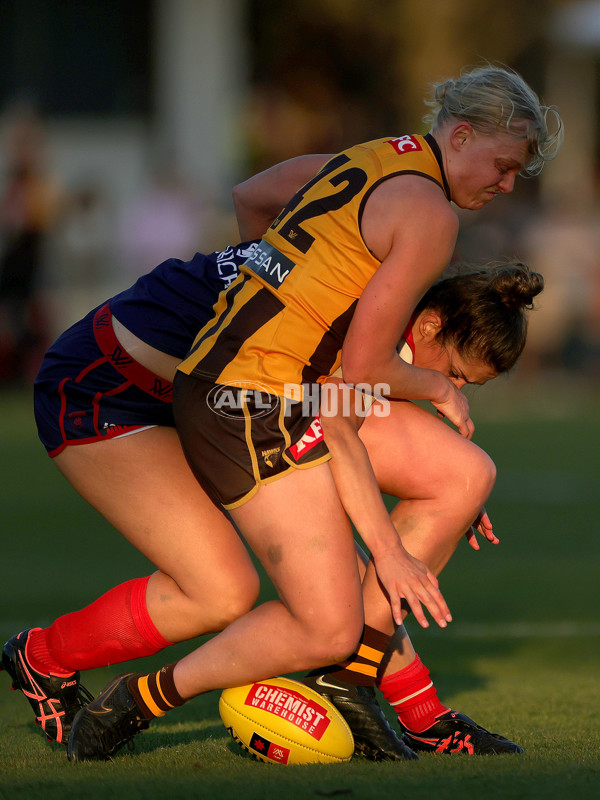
284,320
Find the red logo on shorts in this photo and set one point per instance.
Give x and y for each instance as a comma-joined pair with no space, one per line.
312,437
405,144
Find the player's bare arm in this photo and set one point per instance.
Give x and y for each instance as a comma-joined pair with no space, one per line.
402,575
258,200
413,232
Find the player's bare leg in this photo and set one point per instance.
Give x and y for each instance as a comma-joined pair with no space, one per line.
445,480
143,486
299,530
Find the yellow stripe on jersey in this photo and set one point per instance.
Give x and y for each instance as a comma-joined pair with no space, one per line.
231,300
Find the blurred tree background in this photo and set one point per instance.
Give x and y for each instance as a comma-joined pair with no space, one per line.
328,73
138,116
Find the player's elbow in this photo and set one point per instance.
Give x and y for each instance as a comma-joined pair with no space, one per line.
356,371
239,198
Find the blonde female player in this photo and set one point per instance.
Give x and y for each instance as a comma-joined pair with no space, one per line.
335,279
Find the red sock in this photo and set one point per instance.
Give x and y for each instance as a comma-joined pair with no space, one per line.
116,627
413,696
40,659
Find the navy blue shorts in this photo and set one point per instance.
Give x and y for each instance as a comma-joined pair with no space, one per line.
90,389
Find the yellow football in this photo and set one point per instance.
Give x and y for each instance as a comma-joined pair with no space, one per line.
281,721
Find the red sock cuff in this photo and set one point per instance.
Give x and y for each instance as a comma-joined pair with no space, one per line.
141,618
411,693
36,653
415,670
114,628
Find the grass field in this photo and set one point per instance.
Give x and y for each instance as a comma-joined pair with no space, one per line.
522,656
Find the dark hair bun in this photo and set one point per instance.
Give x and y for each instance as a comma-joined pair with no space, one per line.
484,310
516,284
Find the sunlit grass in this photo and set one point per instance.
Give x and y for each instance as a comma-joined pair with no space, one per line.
521,657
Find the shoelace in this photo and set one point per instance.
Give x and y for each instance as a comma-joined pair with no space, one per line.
114,739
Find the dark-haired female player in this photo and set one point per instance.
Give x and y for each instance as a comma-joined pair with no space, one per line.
471,327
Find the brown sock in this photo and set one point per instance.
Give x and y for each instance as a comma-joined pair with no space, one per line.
361,668
155,692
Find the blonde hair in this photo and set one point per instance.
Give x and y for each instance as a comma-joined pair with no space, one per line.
492,98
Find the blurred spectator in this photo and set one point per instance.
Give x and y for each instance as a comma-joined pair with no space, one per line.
84,252
168,220
306,115
565,247
30,199
87,234
496,233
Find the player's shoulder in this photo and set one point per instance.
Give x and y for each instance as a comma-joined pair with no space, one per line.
421,198
413,186
407,201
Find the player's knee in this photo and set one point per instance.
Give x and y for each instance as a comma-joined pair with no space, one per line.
243,598
472,481
484,475
333,643
340,648
347,645
235,600
210,608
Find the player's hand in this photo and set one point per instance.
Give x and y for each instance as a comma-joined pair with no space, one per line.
455,407
482,525
405,577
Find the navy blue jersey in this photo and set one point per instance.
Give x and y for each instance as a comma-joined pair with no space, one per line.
89,389
167,307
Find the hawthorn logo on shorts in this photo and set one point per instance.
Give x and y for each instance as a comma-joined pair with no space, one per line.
250,399
312,437
405,144
267,455
308,715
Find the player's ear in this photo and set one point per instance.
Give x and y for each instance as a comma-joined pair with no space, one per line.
430,324
460,135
